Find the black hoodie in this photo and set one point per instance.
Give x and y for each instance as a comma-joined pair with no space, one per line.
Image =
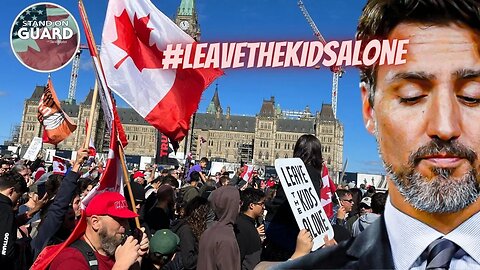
188,243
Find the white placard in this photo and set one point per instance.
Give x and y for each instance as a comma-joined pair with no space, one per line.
33,149
303,199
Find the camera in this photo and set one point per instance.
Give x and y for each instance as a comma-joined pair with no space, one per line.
135,232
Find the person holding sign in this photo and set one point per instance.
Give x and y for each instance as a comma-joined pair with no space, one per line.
282,229
423,115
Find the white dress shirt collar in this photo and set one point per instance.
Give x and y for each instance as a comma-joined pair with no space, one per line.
409,237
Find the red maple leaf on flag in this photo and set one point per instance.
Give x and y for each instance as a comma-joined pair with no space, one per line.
50,55
135,41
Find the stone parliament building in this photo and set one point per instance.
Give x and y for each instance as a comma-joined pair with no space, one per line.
215,134
260,139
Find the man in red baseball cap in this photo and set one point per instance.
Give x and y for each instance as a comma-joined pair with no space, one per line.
139,177
107,217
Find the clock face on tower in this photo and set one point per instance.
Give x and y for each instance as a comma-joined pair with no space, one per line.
184,25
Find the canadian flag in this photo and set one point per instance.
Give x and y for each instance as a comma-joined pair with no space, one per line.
111,180
247,173
59,165
135,34
327,191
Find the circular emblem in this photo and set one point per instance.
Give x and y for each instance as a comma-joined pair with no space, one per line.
45,37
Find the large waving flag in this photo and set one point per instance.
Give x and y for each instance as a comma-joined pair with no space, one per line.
110,180
57,125
327,191
135,34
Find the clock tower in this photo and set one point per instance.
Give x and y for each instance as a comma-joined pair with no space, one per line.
187,19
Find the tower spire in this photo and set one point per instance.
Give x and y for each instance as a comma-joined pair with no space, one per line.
187,8
215,105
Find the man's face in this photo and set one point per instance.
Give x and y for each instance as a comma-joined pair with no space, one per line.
140,180
15,196
25,173
4,168
203,164
111,233
347,202
425,117
364,209
258,208
175,174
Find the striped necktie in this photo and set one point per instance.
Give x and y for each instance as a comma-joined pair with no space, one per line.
440,254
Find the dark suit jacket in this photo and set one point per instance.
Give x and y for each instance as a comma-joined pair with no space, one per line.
369,250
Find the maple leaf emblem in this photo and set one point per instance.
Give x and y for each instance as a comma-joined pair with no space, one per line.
50,55
134,39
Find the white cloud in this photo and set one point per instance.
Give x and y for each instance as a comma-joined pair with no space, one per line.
86,64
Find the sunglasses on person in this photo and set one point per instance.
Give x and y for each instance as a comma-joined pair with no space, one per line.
350,201
260,203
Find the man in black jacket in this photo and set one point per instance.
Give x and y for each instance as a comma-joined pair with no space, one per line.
248,237
12,186
421,113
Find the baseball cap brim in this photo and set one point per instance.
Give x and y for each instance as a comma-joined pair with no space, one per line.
122,213
365,205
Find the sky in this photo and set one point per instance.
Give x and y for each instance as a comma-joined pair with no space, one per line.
241,89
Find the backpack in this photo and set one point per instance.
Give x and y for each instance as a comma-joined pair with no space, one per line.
87,252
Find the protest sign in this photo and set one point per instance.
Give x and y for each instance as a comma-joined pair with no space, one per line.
303,199
33,149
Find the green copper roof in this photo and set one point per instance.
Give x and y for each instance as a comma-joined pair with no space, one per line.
214,105
186,7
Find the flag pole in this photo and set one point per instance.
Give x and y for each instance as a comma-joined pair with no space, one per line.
92,115
127,182
99,69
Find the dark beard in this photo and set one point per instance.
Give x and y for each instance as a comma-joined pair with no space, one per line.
109,243
443,193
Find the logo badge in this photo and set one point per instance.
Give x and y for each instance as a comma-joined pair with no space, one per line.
45,37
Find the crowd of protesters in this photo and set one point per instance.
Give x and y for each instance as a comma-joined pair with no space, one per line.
188,219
